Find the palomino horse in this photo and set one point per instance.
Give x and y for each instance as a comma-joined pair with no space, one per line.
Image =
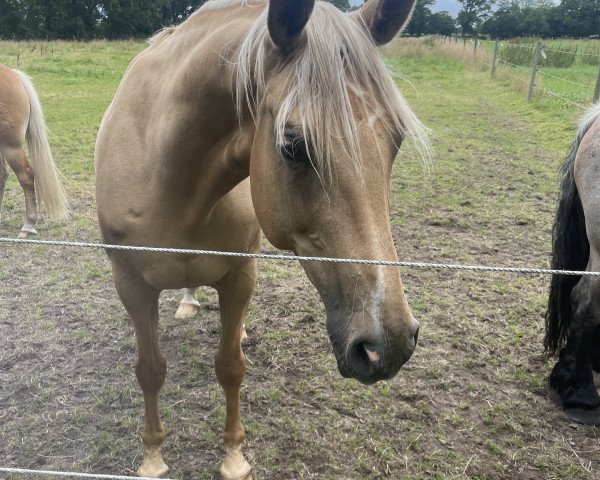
573,316
21,118
248,115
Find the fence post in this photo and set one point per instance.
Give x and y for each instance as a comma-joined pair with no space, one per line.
475,47
497,44
597,91
536,61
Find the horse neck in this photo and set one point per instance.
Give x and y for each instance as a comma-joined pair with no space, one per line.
205,50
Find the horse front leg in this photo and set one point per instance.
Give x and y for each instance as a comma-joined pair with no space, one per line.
18,162
572,377
234,291
141,302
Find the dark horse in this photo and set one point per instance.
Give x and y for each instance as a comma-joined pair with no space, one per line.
573,316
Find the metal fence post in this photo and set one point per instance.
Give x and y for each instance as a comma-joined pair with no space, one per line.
495,57
597,91
536,61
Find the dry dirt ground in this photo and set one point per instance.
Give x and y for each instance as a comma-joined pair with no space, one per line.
471,403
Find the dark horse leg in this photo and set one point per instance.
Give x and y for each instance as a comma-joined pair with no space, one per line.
572,376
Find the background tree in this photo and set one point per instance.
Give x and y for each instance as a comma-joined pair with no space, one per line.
505,22
441,23
11,19
343,5
580,18
85,19
472,15
177,11
421,16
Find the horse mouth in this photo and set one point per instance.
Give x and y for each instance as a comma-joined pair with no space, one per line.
371,376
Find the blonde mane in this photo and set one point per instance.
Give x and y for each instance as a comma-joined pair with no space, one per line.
337,62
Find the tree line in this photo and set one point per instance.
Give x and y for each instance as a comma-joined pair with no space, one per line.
88,19
510,18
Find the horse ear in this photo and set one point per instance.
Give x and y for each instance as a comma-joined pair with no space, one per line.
385,18
286,21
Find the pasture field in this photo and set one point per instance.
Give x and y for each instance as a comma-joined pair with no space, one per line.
568,68
471,403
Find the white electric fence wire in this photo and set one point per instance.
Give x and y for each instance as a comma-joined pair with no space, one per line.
544,73
531,47
574,53
512,45
504,71
263,256
25,471
550,92
513,64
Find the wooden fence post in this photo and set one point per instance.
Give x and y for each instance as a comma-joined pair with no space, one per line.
495,57
475,47
597,91
536,61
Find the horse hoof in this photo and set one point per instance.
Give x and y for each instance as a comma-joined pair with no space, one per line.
581,415
25,232
153,469
186,310
247,476
244,472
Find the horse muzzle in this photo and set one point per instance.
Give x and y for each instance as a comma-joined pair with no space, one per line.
370,358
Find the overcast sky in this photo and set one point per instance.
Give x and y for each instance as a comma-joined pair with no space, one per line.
451,6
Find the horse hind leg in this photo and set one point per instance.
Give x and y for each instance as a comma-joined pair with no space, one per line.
189,305
234,291
18,162
141,302
572,377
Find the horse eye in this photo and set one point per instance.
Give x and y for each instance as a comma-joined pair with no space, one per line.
294,150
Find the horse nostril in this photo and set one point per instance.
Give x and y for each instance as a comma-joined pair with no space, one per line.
361,358
373,356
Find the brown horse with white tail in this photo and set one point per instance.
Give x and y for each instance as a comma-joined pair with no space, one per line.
253,115
573,315
22,120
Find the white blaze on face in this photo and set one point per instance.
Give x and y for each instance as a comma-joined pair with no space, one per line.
371,120
378,299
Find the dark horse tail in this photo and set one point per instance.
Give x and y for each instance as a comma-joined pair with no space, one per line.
570,251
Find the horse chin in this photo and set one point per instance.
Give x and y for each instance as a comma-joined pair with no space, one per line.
346,372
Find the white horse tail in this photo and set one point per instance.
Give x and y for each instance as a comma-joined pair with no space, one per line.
47,177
